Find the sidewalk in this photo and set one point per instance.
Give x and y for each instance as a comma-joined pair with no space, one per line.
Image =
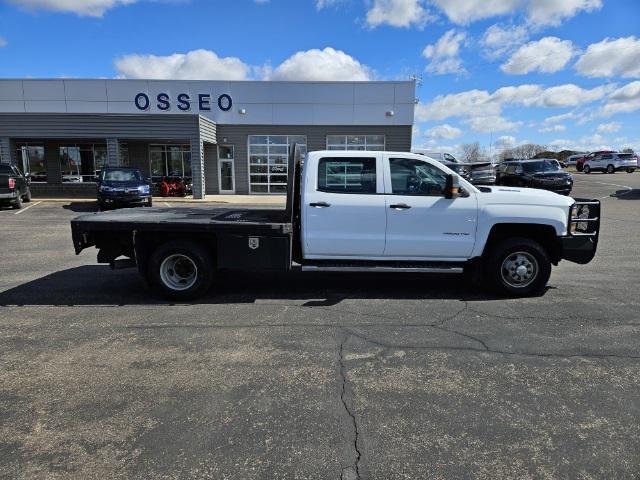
224,199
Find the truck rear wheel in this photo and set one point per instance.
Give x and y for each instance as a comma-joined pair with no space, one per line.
17,203
518,267
180,270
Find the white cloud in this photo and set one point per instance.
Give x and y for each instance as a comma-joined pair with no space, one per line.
194,65
570,95
3,42
91,8
506,141
546,55
469,103
539,12
483,110
398,13
611,57
567,95
323,65
444,54
498,41
553,12
320,4
445,131
553,128
492,123
327,64
609,127
559,118
623,100
463,12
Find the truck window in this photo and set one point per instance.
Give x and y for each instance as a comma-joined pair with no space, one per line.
413,177
347,175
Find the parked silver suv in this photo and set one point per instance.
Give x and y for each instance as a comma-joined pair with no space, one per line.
611,162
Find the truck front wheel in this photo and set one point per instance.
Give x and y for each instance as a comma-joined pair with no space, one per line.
518,267
180,270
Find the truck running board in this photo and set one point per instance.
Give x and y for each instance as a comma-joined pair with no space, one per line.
436,267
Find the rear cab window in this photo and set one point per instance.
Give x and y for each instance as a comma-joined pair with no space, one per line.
348,175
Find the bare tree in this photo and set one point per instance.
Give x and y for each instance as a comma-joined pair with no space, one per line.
471,152
526,151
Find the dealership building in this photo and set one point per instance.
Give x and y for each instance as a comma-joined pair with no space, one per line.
226,136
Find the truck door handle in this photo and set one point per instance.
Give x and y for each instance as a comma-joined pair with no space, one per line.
400,206
320,204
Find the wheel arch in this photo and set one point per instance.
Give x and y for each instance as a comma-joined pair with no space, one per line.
545,235
145,243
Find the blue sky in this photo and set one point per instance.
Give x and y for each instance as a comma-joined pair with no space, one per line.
560,72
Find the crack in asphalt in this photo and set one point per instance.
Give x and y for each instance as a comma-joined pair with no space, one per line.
485,348
355,467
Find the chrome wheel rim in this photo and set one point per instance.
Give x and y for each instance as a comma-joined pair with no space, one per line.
178,272
519,269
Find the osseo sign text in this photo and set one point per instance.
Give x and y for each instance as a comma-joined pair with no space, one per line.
203,102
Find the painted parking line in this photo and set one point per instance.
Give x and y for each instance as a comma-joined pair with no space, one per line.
167,204
629,189
27,208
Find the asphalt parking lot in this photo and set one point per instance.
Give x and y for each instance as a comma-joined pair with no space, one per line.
331,376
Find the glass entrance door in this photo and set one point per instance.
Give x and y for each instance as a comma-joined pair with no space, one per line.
226,177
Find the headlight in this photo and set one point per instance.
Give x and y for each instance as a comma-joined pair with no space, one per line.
143,189
104,188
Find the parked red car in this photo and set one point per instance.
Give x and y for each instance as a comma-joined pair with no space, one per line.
580,161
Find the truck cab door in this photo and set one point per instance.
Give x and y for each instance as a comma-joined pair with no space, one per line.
343,207
421,223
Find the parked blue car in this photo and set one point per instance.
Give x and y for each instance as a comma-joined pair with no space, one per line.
123,187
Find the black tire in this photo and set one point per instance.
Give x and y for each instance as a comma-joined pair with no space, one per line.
193,259
630,170
580,167
611,169
586,169
506,252
17,203
27,196
149,203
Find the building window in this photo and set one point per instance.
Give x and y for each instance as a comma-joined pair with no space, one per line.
82,163
355,142
169,161
30,159
269,160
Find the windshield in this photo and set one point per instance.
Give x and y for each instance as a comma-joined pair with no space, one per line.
122,176
542,166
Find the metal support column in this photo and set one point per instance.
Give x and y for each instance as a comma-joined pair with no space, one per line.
197,168
5,151
113,152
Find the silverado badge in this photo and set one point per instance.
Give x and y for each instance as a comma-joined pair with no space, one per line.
254,243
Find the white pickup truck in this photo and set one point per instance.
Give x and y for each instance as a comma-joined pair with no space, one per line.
356,211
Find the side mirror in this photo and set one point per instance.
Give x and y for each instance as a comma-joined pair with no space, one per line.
452,187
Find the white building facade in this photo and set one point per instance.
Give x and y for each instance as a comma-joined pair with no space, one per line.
225,136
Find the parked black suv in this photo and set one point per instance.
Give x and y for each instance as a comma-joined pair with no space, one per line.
123,187
14,186
546,174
